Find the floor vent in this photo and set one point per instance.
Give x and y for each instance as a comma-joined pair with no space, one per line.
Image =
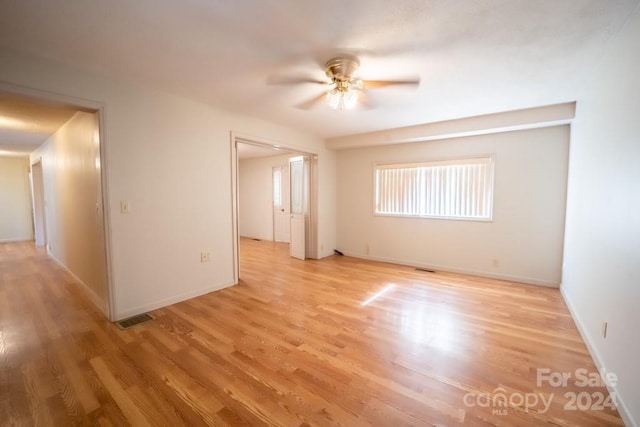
425,270
135,320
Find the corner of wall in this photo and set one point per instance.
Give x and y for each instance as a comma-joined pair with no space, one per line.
623,408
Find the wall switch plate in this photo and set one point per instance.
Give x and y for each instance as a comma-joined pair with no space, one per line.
125,207
205,256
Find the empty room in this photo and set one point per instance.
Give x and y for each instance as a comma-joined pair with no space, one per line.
356,213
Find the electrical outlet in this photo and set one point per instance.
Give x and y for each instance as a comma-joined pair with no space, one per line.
205,256
604,329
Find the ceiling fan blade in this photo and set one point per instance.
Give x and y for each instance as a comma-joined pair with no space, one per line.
365,101
306,105
292,80
373,84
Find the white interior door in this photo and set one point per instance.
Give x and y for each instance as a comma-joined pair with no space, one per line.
281,205
299,184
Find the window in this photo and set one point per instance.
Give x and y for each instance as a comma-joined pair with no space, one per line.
460,189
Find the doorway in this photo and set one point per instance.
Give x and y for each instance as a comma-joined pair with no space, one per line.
68,214
275,210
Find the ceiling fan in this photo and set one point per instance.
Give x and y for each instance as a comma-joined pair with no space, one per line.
345,88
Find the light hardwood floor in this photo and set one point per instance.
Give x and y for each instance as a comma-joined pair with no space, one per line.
339,341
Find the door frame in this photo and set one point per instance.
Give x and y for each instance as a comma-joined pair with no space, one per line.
312,239
99,109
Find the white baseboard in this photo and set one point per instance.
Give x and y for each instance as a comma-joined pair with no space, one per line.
93,297
16,239
488,274
125,314
623,409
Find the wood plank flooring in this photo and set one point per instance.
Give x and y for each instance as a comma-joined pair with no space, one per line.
339,341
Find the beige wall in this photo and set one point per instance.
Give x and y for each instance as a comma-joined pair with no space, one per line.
73,198
524,240
601,279
255,196
16,221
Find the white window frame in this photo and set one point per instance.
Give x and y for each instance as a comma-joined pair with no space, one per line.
476,159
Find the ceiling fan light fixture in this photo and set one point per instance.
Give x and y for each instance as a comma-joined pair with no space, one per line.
342,99
357,84
333,98
349,99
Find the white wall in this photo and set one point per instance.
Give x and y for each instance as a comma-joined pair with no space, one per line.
327,203
524,240
170,158
601,279
15,204
73,202
255,195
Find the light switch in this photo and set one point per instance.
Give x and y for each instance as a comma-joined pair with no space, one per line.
125,207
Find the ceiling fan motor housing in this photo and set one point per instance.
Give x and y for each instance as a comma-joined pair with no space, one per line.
342,69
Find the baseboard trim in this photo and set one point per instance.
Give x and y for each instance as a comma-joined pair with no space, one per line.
623,409
16,239
93,297
490,275
168,301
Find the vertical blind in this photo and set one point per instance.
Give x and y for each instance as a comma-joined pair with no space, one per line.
460,188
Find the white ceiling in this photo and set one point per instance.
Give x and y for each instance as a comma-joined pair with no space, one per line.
473,56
